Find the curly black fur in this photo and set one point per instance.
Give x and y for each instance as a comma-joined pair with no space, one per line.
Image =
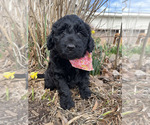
70,38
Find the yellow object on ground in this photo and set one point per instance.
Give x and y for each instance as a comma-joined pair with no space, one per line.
33,75
9,75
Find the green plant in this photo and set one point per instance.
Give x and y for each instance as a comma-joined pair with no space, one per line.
97,57
113,50
127,51
44,96
147,50
53,99
136,50
100,53
32,94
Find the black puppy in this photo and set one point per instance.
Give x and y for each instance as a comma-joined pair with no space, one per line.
70,38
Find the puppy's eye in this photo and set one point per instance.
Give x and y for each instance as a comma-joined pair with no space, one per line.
62,34
81,34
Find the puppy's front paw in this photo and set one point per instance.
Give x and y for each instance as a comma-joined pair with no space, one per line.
66,102
85,93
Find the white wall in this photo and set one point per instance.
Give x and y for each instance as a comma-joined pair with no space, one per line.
113,21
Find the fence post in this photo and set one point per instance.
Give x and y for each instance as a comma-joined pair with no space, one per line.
143,47
116,60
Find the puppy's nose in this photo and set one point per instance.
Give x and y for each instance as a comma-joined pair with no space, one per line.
70,46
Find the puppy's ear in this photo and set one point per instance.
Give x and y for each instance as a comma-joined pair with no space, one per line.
50,41
90,45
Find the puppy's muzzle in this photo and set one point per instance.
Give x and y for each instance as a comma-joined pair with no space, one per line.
70,47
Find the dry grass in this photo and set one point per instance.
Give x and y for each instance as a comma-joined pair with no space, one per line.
13,27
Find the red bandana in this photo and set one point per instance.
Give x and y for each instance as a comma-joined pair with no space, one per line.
84,63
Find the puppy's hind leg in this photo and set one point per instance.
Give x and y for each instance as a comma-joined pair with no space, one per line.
49,84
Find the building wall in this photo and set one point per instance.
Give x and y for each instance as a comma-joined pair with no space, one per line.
113,21
108,24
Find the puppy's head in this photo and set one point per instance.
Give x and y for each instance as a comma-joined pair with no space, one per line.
70,37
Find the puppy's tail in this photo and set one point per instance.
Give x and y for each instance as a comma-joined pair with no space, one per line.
40,76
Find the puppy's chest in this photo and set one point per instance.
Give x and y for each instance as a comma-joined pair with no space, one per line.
73,78
72,75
